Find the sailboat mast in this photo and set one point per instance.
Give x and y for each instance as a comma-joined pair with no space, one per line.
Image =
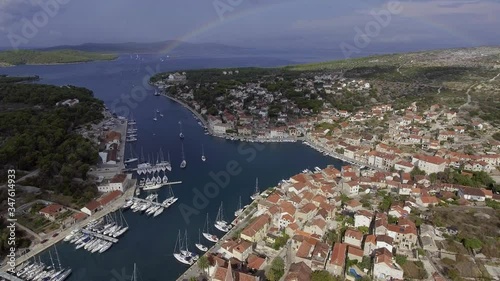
57,257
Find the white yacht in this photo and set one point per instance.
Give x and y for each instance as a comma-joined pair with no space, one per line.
206,232
220,223
183,163
178,255
200,246
203,158
257,192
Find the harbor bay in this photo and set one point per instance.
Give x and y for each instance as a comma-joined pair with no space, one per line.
150,241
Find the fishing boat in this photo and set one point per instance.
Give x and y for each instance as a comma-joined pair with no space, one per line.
200,246
178,254
206,232
220,223
257,192
240,210
183,163
203,158
181,135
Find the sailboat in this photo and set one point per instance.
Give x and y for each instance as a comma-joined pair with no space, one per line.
157,110
178,254
203,158
200,246
183,163
257,192
155,118
134,275
132,158
168,165
186,251
220,223
131,121
181,135
206,233
156,93
240,209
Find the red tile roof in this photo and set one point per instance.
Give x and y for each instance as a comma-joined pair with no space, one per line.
51,209
339,254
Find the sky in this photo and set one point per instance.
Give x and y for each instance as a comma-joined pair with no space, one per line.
345,26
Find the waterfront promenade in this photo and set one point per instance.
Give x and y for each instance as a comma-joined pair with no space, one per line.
195,113
194,270
39,248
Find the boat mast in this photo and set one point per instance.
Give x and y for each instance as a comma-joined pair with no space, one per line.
142,155
256,185
134,278
168,155
57,256
51,260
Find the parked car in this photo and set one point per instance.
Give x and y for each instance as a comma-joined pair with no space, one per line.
55,234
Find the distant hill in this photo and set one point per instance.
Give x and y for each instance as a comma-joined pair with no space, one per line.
21,57
181,48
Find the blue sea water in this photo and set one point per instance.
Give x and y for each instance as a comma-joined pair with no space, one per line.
121,84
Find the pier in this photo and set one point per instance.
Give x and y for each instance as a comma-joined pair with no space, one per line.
7,276
100,236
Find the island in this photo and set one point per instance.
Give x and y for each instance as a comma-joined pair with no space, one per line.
419,136
38,57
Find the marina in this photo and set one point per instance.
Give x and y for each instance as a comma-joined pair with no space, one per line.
164,134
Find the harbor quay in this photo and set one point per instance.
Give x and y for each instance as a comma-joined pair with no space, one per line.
194,270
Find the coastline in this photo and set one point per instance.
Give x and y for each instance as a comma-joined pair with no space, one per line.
305,140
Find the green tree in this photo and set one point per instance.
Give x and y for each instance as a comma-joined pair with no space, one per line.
276,270
321,275
400,259
472,243
203,263
331,236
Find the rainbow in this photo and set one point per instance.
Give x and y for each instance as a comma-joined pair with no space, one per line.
241,13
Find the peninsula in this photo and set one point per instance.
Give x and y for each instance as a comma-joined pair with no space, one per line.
37,57
426,125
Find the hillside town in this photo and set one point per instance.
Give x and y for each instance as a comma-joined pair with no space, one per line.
351,224
429,138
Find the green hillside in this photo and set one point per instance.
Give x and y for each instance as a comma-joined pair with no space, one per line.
21,57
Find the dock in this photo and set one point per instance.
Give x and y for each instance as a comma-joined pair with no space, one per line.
10,277
100,236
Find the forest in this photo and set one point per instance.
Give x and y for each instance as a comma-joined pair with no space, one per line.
37,134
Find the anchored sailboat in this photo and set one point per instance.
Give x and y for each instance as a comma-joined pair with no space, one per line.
178,252
155,118
206,232
181,135
220,223
131,158
257,192
240,209
200,246
203,158
183,163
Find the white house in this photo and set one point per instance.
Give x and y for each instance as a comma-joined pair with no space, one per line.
429,164
363,218
385,267
118,182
